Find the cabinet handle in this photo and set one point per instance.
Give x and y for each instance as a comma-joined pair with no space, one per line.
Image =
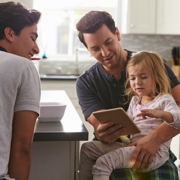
132,25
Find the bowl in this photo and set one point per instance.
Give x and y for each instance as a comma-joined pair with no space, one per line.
51,111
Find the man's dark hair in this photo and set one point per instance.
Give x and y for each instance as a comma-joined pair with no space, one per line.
92,21
16,16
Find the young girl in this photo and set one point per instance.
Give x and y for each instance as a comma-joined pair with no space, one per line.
150,106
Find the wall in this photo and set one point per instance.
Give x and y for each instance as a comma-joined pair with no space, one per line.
161,44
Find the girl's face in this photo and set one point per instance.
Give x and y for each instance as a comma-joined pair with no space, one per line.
141,81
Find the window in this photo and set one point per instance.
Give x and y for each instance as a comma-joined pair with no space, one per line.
57,27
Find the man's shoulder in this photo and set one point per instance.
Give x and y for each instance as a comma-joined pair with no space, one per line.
129,53
16,65
91,72
5,56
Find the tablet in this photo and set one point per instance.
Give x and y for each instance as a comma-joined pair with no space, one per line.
117,115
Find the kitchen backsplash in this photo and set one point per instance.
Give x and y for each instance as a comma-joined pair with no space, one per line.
68,67
161,44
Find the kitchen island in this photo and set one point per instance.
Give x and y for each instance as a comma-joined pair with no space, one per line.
55,149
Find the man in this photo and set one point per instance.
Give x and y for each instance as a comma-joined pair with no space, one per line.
102,87
19,89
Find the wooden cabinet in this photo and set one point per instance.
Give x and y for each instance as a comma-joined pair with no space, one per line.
149,17
176,69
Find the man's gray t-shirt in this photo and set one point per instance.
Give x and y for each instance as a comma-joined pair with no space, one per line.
19,90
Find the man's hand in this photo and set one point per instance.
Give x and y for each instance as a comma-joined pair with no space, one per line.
108,132
146,148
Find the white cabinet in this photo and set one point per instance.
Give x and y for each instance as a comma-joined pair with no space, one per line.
28,3
168,17
138,16
149,16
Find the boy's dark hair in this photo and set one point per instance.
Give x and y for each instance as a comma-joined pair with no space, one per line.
16,16
92,21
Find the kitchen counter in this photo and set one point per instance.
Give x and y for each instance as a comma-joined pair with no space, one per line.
60,131
55,148
58,77
70,128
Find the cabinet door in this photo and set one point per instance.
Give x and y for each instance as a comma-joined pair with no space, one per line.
141,16
168,17
54,160
28,3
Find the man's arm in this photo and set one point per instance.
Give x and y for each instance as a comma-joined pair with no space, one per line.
175,93
22,135
147,146
90,101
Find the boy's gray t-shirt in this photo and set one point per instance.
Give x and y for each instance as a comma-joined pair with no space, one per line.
19,90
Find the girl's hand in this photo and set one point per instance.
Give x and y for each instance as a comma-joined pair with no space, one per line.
151,113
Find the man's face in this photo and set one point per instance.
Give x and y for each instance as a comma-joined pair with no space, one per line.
104,46
25,43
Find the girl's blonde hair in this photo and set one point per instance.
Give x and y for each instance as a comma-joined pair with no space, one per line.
153,63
